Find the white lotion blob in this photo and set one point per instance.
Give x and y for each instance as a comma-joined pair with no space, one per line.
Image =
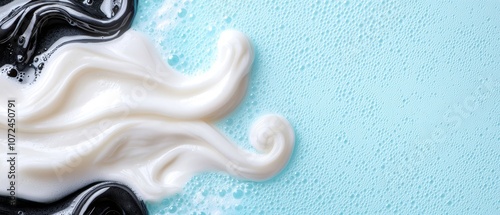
115,111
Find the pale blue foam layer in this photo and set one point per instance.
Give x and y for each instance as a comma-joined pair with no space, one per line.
396,105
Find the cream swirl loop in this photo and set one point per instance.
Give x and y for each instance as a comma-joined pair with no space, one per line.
115,111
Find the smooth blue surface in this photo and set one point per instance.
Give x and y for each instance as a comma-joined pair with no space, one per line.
395,104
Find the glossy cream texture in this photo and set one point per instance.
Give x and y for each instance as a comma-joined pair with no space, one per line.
115,111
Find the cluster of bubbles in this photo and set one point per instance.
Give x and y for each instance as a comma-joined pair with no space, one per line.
30,74
169,21
207,194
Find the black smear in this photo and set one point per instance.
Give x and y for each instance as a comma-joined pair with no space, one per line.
30,28
105,198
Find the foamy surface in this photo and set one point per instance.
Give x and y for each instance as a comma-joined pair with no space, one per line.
371,89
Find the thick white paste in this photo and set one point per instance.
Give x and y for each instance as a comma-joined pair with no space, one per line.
115,111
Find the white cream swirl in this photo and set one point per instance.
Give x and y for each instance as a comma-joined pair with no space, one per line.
115,111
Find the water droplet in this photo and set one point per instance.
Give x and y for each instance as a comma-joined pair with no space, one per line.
211,30
172,209
239,208
238,194
173,60
182,13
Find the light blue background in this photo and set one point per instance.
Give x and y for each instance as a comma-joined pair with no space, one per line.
395,104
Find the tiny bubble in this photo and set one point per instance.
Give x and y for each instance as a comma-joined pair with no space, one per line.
12,73
238,194
21,40
20,58
182,13
173,60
